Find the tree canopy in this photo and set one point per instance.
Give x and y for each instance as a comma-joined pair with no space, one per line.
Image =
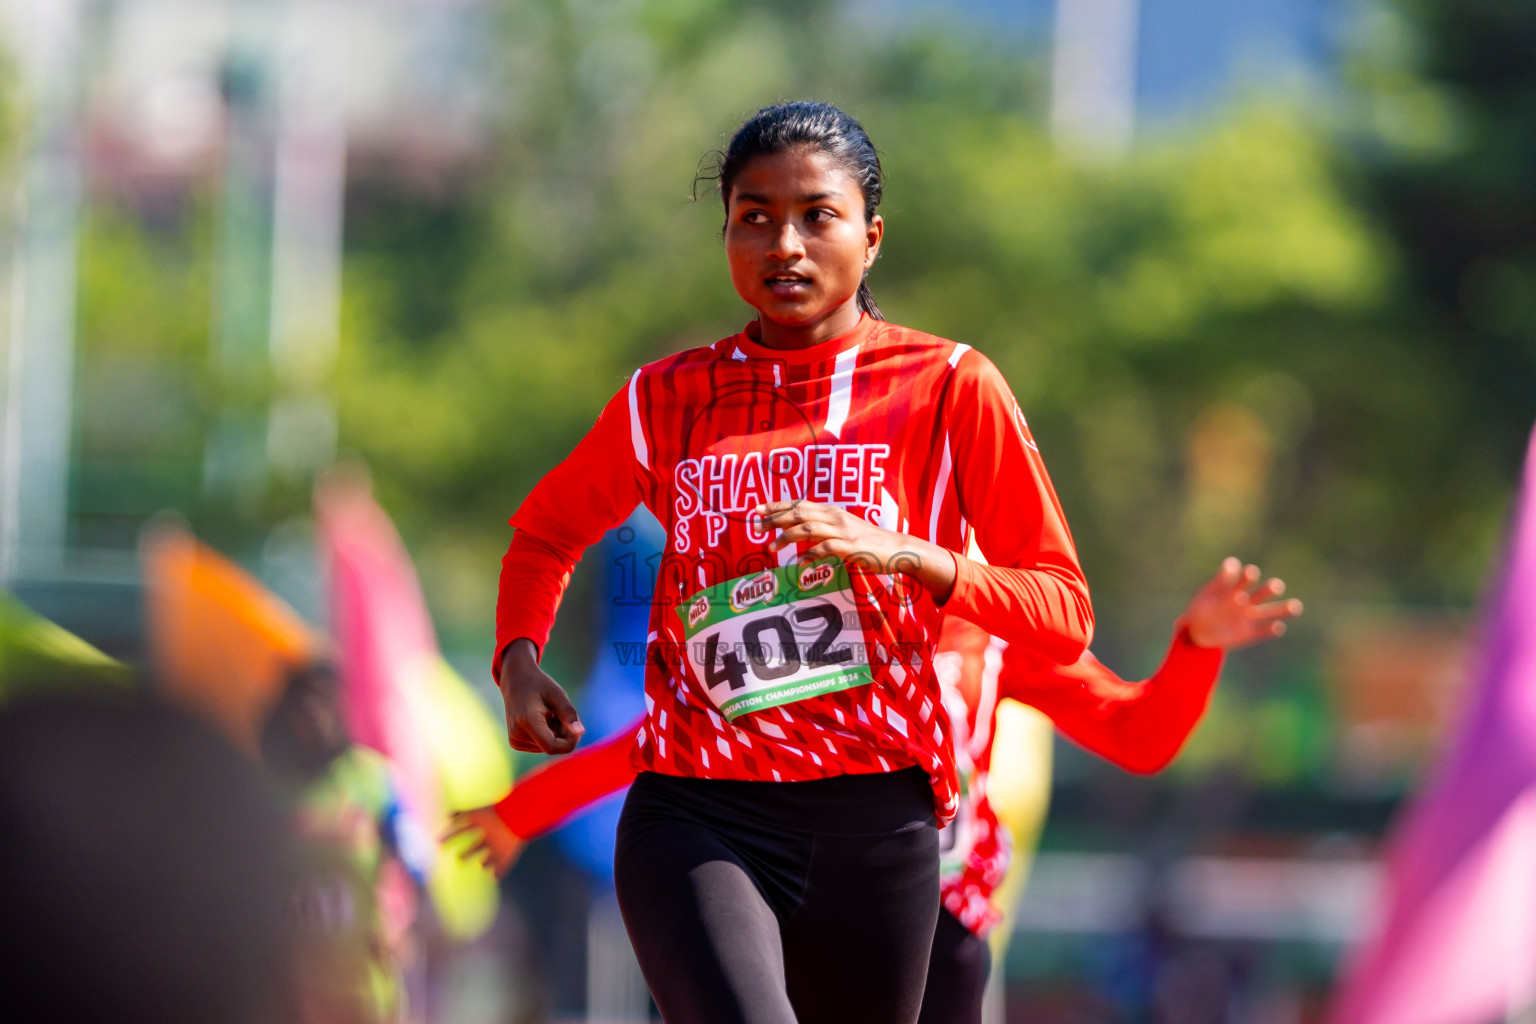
1295,330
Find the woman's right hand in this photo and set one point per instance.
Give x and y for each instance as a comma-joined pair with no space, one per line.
1234,610
540,718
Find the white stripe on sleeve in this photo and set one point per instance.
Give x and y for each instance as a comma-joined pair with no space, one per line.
636,431
946,466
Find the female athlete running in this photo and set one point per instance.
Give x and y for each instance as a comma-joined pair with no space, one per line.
818,474
1138,726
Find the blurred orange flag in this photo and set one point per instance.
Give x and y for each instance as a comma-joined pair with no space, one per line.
221,645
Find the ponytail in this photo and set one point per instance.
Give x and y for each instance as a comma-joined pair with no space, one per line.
867,301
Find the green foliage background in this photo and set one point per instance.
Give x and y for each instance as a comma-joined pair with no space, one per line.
1301,329
1240,274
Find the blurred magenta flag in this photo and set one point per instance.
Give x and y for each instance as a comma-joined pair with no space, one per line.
381,625
445,750
1456,937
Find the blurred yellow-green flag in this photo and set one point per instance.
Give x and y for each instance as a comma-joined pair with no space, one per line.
37,655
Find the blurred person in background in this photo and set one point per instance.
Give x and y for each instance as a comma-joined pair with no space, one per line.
1139,726
228,650
143,868
353,901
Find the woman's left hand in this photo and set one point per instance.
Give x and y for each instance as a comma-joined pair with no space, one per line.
490,839
832,532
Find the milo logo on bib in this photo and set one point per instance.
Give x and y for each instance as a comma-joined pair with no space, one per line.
813,576
775,637
755,590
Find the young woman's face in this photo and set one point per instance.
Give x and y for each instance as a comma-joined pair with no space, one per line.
796,237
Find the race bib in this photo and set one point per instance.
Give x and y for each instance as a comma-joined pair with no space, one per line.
775,637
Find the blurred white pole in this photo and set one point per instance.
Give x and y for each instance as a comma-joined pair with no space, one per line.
235,463
307,206
994,1007
1093,76
34,457
616,992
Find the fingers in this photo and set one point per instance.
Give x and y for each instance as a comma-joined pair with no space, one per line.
549,734
547,741
1229,572
1235,575
525,737
543,720
521,739
1277,610
807,531
1268,591
566,722
782,514
517,732
1264,622
500,857
816,552
778,513
565,711
460,824
1227,580
467,855
803,523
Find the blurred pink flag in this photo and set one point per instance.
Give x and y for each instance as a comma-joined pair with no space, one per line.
445,749
1456,939
386,639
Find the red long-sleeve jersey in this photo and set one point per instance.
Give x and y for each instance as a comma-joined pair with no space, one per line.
759,668
1139,726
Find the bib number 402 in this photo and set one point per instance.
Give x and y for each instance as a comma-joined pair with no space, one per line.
729,667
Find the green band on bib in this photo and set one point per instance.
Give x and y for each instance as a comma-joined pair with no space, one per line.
791,692
783,584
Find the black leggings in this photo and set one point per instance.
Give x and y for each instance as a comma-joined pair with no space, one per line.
957,975
781,902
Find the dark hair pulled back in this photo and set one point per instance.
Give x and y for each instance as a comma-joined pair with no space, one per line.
819,126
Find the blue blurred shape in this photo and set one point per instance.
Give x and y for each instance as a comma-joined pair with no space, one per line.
614,695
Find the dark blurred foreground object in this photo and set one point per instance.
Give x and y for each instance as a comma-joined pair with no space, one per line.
141,869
